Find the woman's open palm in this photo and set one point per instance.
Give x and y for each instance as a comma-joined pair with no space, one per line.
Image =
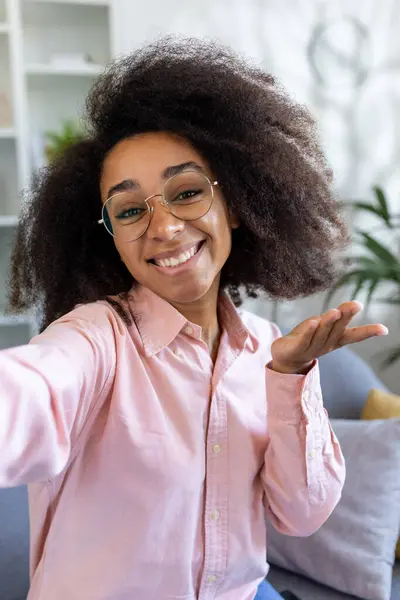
318,335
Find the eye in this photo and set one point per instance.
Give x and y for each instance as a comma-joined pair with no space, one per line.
130,213
186,195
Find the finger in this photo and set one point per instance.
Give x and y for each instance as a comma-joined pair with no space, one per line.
352,335
334,323
304,332
321,335
352,306
348,311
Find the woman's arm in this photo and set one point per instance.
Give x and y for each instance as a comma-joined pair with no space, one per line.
304,469
47,391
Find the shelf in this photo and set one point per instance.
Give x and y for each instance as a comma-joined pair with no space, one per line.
9,188
50,70
7,133
8,220
50,53
80,2
16,320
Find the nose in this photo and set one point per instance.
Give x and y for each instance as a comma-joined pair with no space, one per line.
164,225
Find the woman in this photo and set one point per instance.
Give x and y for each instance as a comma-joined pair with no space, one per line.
156,424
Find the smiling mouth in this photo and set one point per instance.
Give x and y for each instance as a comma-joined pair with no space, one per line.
180,259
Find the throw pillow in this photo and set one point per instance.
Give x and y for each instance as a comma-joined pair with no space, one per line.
353,551
382,405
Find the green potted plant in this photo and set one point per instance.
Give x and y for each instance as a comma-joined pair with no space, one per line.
58,141
374,263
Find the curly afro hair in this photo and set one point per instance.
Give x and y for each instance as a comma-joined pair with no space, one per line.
262,147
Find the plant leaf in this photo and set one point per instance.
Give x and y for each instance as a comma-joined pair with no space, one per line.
358,286
346,278
376,263
369,264
384,211
394,300
379,250
372,288
374,269
58,142
370,208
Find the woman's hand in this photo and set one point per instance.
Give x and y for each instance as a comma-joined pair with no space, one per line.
295,352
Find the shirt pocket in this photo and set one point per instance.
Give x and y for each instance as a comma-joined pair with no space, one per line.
161,460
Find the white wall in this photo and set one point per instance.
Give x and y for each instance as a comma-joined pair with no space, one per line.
357,103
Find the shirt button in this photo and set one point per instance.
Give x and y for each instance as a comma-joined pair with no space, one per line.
215,515
306,395
211,579
216,448
311,454
189,330
176,352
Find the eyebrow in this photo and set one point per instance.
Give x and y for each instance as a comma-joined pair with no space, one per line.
133,184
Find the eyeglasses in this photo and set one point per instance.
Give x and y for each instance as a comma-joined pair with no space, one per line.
187,196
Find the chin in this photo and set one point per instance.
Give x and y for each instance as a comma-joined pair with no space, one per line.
185,294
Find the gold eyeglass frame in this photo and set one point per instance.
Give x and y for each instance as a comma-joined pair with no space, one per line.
164,202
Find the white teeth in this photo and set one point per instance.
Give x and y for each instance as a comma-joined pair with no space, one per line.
176,260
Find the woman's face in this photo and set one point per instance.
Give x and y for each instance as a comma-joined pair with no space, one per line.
143,162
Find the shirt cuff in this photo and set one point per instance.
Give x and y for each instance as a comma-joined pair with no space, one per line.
292,396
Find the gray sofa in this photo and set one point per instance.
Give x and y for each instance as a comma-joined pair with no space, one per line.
346,381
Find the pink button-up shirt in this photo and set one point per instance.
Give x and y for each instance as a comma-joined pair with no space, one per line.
151,470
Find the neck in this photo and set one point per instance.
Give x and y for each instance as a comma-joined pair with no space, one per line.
204,312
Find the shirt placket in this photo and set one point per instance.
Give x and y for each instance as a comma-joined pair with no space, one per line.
216,504
217,482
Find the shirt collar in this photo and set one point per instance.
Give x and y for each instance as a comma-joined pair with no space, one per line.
159,323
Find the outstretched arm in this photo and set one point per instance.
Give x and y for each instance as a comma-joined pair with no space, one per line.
47,391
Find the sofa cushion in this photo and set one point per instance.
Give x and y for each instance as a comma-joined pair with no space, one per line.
346,381
382,405
306,589
396,581
353,551
14,544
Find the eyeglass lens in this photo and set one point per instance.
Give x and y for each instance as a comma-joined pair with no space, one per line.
188,196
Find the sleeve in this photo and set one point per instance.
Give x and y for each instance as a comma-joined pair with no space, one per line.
304,469
47,391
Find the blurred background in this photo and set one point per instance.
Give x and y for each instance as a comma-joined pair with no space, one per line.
341,58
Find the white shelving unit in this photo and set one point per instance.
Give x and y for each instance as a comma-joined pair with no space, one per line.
50,52
43,69
7,133
8,220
